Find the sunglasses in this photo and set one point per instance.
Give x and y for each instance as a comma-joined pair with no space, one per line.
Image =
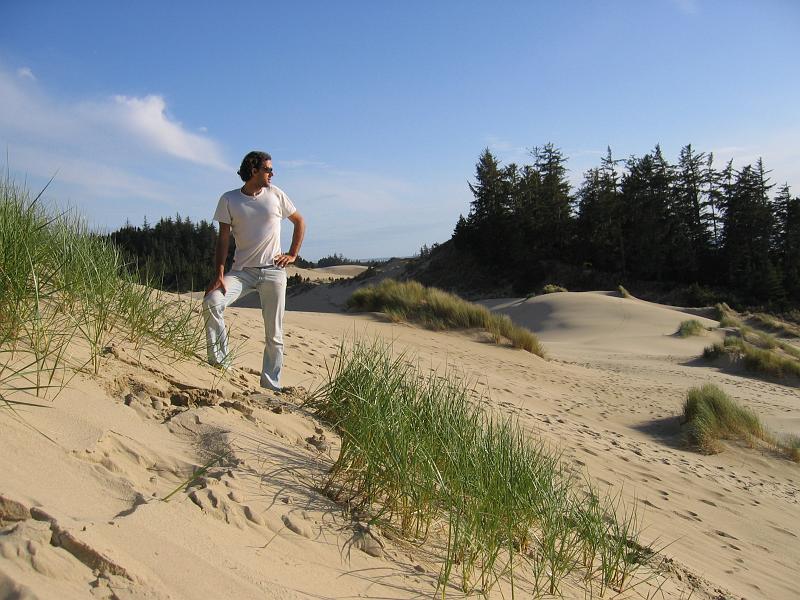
267,170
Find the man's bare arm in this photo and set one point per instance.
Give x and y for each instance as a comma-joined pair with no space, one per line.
221,253
297,240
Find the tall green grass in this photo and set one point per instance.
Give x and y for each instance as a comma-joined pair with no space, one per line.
60,284
710,415
438,310
422,455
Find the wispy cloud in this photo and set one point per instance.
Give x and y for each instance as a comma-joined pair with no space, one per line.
118,121
147,119
302,164
507,151
114,157
26,73
780,152
689,7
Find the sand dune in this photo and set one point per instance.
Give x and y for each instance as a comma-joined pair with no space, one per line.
84,515
326,273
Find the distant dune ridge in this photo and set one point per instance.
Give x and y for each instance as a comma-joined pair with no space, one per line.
82,508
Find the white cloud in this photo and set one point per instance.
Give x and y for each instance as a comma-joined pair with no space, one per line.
113,158
26,73
118,124
146,118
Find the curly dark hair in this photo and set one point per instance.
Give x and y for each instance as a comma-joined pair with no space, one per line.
251,163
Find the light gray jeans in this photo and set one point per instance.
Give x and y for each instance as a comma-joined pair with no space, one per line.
270,283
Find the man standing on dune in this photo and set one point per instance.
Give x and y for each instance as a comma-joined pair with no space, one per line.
253,214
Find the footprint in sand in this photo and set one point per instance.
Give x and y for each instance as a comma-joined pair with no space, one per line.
298,522
725,535
223,503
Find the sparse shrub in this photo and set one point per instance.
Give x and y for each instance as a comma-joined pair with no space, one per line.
691,327
439,310
710,415
551,288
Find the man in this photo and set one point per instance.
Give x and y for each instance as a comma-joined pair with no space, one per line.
253,214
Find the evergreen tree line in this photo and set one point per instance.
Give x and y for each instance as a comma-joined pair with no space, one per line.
178,254
641,218
174,254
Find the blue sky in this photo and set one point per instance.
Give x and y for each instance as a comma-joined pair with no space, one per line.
376,112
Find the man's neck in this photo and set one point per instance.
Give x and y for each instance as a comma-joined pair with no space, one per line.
251,190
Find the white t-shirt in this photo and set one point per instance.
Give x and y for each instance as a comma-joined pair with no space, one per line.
255,223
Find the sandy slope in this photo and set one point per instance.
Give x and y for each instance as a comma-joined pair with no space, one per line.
258,528
326,273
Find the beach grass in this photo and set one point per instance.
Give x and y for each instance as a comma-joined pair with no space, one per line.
690,327
710,415
438,310
778,325
726,316
422,454
60,284
758,353
552,288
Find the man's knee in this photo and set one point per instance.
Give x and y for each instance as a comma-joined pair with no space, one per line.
214,302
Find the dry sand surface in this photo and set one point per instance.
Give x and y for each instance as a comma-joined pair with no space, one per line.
326,273
84,516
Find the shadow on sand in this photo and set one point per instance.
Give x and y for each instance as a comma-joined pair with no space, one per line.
666,430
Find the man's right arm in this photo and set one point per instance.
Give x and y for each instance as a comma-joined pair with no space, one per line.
220,255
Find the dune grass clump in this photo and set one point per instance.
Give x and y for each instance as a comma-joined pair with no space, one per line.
726,316
438,310
623,292
791,447
424,458
710,415
59,283
766,360
552,288
779,326
691,327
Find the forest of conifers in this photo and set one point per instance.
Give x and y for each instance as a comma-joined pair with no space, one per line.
640,219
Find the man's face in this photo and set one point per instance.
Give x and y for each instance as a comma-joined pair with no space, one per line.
264,174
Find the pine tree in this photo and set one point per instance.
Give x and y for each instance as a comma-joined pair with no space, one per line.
646,190
787,242
488,220
554,225
747,235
